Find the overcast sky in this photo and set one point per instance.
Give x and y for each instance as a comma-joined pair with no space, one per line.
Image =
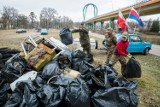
70,8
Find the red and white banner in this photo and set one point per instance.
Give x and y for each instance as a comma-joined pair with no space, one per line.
121,21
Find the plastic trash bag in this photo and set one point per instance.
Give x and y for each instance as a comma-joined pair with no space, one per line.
24,94
77,94
115,97
76,90
14,68
78,54
30,96
111,73
123,82
51,96
29,75
15,100
133,69
66,36
50,70
4,87
79,57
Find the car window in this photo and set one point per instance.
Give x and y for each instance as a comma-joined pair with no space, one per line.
44,30
135,39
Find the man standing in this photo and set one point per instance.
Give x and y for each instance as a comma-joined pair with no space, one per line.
111,42
121,52
84,38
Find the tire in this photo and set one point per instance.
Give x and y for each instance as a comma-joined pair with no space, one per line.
9,51
96,44
6,56
3,48
146,51
103,42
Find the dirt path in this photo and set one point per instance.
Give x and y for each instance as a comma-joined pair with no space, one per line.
155,50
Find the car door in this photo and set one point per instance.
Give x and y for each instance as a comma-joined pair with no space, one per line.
135,44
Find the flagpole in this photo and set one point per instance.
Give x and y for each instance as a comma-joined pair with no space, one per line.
134,29
128,25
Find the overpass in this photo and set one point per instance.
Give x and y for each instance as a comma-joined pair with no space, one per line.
149,7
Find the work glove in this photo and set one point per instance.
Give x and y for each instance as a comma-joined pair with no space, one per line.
129,56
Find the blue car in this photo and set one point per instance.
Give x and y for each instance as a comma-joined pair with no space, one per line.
44,32
136,44
22,30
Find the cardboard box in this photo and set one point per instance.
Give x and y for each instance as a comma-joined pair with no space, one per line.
40,61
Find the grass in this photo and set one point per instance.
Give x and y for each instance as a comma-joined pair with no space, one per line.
154,39
148,89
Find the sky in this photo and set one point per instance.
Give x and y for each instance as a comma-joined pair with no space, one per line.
70,8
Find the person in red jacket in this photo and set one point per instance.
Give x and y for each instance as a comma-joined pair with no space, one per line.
121,52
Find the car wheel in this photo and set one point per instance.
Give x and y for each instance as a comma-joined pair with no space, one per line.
103,42
96,44
146,51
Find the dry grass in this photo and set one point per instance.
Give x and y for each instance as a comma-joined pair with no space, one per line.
154,39
148,89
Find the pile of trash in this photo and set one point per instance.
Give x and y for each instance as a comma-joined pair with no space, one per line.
49,75
5,54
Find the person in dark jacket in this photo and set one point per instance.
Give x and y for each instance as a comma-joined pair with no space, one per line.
84,38
111,42
121,52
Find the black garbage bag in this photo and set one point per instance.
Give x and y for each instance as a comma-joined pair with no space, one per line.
28,92
76,63
78,57
102,78
15,100
86,69
66,36
38,82
77,94
14,68
78,54
111,73
50,70
4,87
30,96
133,69
76,90
115,97
123,82
7,50
51,96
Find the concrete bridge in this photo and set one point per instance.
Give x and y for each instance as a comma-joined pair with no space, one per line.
148,7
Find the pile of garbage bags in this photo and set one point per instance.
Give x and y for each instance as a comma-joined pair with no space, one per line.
5,54
52,87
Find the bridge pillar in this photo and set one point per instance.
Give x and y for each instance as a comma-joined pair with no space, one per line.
102,25
112,23
89,26
94,26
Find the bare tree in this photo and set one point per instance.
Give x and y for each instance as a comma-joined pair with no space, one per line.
32,18
60,22
47,15
4,22
149,24
66,22
22,21
56,22
9,15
